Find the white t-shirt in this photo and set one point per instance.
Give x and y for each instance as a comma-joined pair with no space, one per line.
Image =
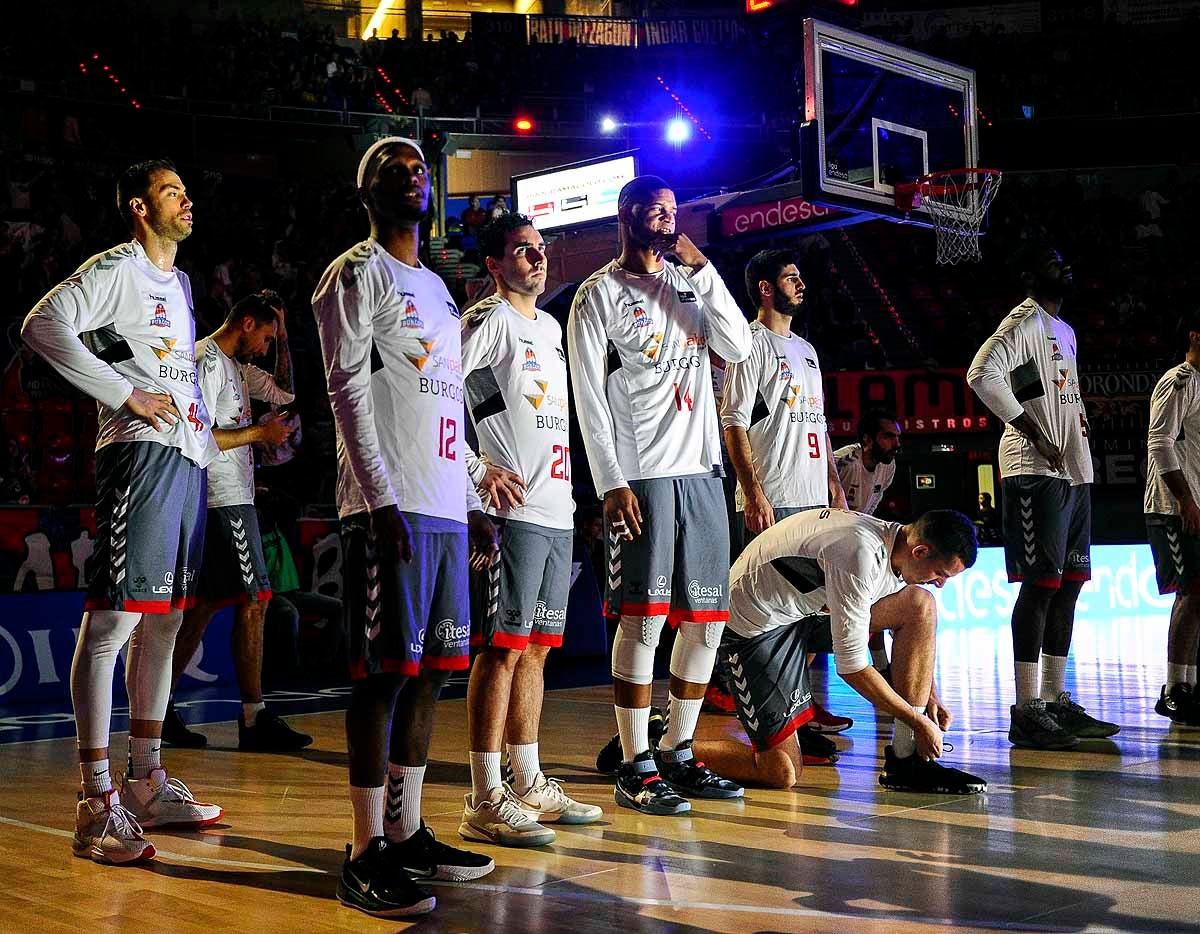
638,348
864,488
1029,365
228,386
813,560
515,376
393,364
777,396
1173,440
119,323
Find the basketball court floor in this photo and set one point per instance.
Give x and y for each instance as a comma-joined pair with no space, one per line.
1103,838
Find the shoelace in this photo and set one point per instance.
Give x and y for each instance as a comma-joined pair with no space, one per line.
178,791
1064,698
123,823
509,812
554,790
1041,716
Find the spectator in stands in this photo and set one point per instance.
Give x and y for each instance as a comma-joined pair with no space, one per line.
475,216
497,207
422,100
987,521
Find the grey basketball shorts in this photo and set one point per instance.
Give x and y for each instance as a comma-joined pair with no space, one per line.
679,566
522,596
235,571
1047,530
150,511
1176,555
403,616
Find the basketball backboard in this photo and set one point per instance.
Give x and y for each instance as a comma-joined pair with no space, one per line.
877,115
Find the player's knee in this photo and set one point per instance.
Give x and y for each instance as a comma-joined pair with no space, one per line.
776,769
105,631
535,654
433,679
633,648
502,657
695,651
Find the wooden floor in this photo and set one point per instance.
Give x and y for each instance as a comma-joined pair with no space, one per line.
1102,838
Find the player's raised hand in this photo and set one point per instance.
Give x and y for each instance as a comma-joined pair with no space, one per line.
687,252
622,514
505,489
152,406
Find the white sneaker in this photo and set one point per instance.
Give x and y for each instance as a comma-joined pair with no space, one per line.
545,801
107,833
499,819
158,801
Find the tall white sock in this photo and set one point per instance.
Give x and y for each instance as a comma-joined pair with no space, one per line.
633,723
368,817
526,767
97,778
402,813
1028,681
904,740
681,721
1054,676
1176,674
144,756
485,774
1191,675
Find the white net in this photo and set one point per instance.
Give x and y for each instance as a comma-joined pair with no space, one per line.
958,202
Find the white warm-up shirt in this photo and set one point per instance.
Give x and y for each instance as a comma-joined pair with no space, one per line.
643,387
516,385
120,323
777,397
864,488
1173,440
393,363
813,560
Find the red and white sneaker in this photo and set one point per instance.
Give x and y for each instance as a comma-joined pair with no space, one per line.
158,801
825,722
107,833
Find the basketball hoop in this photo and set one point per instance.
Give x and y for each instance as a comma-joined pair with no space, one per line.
957,201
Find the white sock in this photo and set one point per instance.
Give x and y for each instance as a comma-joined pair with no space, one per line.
402,814
1176,674
523,760
633,723
368,817
485,775
1054,676
1191,675
1028,681
144,756
97,779
879,659
681,721
904,740
250,712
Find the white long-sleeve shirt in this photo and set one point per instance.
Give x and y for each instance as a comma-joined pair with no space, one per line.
1173,439
812,560
777,397
120,323
393,364
516,384
228,386
638,347
1029,365
864,488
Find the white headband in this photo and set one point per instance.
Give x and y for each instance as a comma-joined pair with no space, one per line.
378,145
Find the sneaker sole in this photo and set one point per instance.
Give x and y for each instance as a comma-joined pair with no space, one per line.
543,817
451,873
711,794
517,841
624,802
979,789
422,907
1093,733
97,855
1025,742
1178,716
827,729
192,824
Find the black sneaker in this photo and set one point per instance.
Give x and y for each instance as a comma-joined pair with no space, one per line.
175,731
1076,721
270,734
1032,727
423,856
611,755
1176,704
681,770
816,749
375,885
926,776
640,787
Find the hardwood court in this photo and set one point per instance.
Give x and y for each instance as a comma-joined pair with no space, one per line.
1105,837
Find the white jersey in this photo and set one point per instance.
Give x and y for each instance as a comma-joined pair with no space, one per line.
228,386
864,488
1173,441
776,395
515,376
1029,366
823,560
639,364
120,323
393,363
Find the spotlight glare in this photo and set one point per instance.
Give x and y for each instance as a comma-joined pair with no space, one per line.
608,124
678,131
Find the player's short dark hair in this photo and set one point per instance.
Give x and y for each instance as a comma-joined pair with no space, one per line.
258,305
765,266
868,424
135,182
638,190
1029,258
493,236
949,533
